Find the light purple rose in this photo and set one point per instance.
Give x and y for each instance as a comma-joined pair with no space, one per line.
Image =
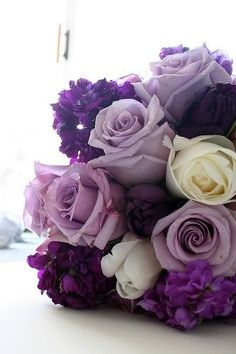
132,78
131,136
35,216
86,207
180,78
197,232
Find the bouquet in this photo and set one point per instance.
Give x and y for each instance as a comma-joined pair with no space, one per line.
143,218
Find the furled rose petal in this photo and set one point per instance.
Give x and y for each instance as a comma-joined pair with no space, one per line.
134,264
80,204
35,216
180,78
131,138
132,78
202,169
197,232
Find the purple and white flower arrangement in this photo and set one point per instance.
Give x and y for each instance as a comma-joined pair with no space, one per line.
143,217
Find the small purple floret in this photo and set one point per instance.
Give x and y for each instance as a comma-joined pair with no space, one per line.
184,299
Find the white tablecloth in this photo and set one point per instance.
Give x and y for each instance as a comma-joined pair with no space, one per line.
30,324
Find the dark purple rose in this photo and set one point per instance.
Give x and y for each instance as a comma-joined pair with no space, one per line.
72,276
147,203
76,110
184,299
214,112
172,50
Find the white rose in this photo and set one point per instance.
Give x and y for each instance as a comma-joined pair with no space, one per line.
202,169
134,264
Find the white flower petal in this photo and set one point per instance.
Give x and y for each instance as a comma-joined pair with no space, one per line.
112,262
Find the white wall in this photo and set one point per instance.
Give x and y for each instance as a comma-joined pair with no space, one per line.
115,37
109,38
29,81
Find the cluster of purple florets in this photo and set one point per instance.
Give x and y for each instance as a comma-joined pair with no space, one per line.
72,276
184,299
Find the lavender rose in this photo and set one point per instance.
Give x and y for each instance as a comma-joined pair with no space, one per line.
212,113
35,215
197,231
178,79
86,207
131,137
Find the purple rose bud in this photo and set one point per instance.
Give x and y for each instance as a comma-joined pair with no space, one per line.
212,113
146,204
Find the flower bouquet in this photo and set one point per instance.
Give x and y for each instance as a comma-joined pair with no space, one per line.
143,218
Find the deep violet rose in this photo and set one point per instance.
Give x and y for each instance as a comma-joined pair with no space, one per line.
212,113
131,136
71,275
179,79
184,299
35,215
197,231
86,206
146,204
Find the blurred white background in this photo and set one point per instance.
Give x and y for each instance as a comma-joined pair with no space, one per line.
108,38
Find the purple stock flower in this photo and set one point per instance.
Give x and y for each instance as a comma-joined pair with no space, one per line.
212,113
72,276
172,50
76,110
147,203
184,299
222,58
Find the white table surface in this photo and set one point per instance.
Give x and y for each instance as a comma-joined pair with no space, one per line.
30,324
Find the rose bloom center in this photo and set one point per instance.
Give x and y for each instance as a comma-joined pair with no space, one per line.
196,236
208,175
